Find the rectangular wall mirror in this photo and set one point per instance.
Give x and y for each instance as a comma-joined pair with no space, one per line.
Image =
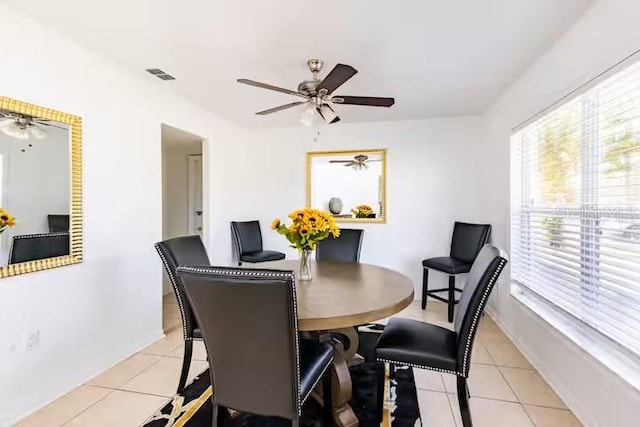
349,184
40,188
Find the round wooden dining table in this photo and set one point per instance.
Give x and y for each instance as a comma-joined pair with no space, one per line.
340,297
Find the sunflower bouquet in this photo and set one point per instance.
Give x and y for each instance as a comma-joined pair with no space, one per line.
6,220
308,227
362,211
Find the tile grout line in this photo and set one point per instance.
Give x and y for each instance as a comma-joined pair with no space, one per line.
88,407
141,372
111,390
517,397
451,408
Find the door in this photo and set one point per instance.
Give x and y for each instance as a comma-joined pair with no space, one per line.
195,194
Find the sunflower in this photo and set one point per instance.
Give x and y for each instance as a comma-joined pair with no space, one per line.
6,220
308,227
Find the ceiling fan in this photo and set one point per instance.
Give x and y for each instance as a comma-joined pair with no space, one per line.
359,162
22,126
318,94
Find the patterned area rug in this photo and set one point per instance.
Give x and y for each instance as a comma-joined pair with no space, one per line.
193,407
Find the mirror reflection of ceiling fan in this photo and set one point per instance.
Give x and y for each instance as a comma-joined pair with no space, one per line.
22,126
318,94
359,162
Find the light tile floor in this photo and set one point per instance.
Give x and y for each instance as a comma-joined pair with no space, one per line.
505,389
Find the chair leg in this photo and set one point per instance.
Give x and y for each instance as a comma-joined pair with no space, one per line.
327,400
425,286
186,363
220,415
380,378
463,401
452,297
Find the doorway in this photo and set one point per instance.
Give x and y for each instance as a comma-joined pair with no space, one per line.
182,202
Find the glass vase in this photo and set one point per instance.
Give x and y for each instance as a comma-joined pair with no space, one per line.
305,265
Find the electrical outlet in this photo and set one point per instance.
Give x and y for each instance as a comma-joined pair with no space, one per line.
33,340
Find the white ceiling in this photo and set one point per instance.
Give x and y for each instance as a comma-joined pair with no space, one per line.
437,58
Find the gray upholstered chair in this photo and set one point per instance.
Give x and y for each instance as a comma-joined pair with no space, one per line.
257,361
58,223
427,346
247,243
187,250
345,248
31,247
466,242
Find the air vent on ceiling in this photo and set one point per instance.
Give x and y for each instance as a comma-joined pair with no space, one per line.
160,74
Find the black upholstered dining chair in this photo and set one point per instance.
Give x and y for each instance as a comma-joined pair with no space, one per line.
345,248
427,346
466,242
31,247
187,250
257,361
58,223
247,243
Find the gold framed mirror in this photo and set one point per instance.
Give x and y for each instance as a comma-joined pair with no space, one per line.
40,188
350,184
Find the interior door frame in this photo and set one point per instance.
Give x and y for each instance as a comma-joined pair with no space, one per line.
192,160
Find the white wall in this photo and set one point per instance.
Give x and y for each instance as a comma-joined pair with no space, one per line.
605,34
35,182
92,315
175,183
433,178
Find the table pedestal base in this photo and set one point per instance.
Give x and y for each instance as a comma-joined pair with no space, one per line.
344,353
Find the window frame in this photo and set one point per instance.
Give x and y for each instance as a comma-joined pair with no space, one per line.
621,360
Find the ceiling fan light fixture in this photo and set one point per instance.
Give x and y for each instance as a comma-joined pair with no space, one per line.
328,114
308,116
14,130
37,133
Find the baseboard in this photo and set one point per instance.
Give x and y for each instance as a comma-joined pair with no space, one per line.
130,351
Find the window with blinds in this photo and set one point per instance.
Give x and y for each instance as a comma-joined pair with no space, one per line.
575,207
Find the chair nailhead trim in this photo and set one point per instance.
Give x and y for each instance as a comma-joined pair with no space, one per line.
31,236
176,291
413,365
279,274
476,316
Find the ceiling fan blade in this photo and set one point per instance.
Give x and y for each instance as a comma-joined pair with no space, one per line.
270,87
51,125
340,161
280,108
328,114
364,100
351,164
336,78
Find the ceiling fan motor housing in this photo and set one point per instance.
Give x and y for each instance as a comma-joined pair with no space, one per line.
308,87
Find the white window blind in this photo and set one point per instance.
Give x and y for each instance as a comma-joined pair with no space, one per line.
575,207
